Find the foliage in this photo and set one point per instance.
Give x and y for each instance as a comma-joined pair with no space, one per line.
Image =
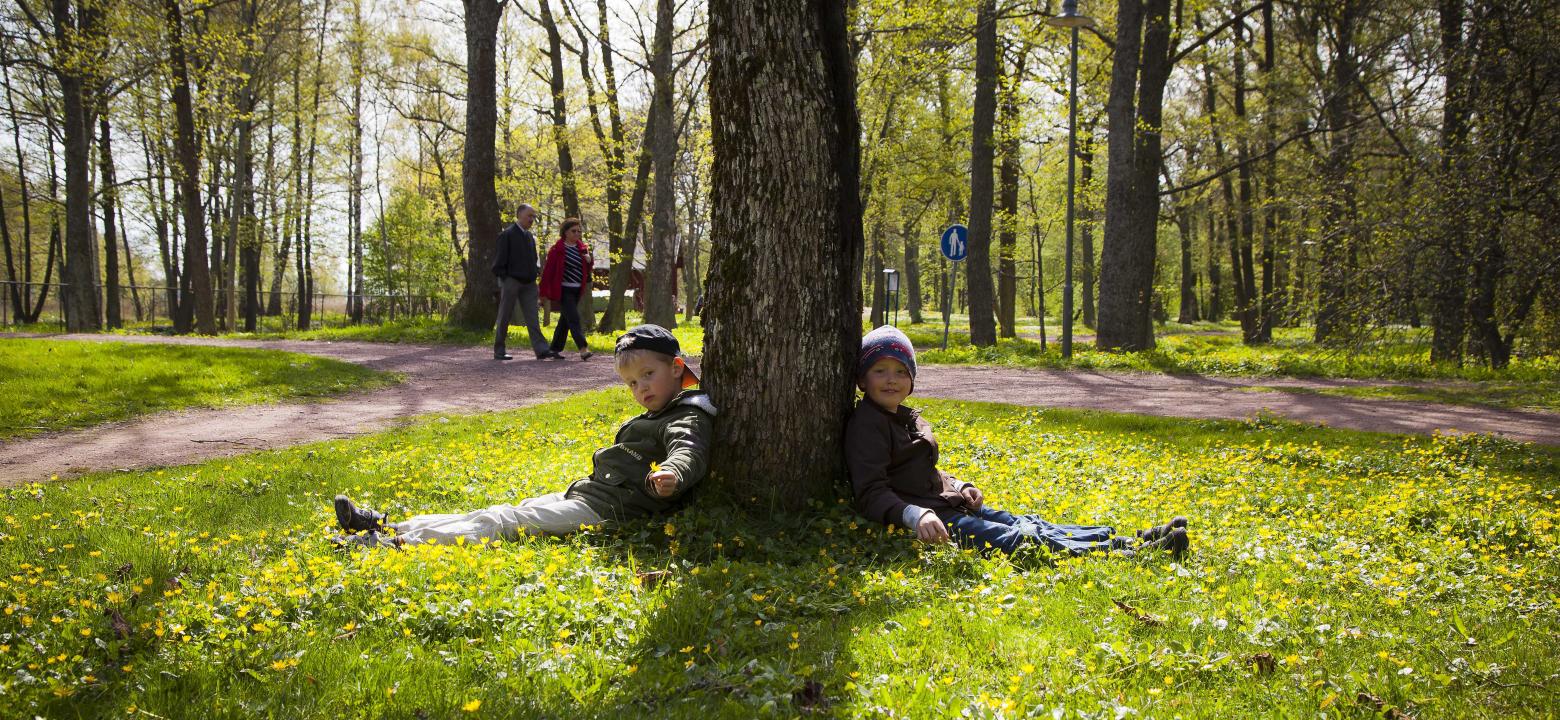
50,385
1329,569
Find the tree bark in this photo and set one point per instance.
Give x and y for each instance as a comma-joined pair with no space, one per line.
1450,251
983,331
1138,75
910,233
80,296
478,307
1188,311
1337,251
199,304
1007,234
660,270
1086,224
786,140
113,315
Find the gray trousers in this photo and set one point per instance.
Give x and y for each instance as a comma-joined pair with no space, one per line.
551,514
510,291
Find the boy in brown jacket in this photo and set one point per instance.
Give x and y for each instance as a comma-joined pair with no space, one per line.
892,457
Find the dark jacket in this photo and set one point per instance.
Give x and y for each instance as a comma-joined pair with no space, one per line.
677,438
516,256
892,458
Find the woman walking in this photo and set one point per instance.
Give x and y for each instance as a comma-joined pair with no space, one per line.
565,275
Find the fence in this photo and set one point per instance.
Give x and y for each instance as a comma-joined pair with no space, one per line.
148,307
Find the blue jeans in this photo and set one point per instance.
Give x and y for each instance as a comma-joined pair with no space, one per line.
988,528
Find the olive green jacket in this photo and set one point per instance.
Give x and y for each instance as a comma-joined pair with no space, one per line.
677,438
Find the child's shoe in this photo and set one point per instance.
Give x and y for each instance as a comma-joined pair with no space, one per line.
355,519
1159,531
370,540
1175,541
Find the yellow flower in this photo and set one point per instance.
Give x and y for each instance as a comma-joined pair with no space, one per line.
472,706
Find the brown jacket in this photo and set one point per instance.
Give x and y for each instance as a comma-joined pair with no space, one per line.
892,460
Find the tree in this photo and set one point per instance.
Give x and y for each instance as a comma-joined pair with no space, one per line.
787,156
661,273
478,307
198,311
983,330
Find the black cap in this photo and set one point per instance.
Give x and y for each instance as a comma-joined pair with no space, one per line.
649,337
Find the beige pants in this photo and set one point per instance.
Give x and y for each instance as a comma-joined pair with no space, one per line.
551,514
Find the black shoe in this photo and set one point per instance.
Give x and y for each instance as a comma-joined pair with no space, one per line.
1175,541
585,354
503,356
1159,531
355,519
553,355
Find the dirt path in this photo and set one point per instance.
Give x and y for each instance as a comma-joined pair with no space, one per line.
446,379
452,379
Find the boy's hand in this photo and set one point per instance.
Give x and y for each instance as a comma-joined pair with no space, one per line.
973,496
661,483
930,529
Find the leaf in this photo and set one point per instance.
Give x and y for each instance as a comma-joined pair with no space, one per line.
1138,615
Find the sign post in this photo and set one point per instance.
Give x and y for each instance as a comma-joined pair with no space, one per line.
891,284
955,245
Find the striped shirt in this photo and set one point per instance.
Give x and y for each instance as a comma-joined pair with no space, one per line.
573,266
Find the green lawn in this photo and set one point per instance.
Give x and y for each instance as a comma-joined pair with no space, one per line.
53,385
1397,356
1330,570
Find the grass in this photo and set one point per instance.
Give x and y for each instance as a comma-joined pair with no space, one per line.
1397,356
1331,570
50,385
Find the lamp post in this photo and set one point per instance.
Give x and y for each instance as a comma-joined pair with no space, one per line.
891,284
1072,20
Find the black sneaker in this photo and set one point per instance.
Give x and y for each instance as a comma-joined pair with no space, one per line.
585,354
355,519
553,355
1159,531
503,356
1175,541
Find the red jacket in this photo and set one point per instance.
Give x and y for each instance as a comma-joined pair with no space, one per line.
551,286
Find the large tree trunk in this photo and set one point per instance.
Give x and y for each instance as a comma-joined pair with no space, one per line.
1338,253
187,146
1138,75
661,272
113,316
787,156
1086,224
912,241
83,303
355,191
1188,311
1450,250
1007,233
1250,322
983,331
478,307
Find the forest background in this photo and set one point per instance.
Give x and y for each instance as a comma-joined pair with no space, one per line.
1342,165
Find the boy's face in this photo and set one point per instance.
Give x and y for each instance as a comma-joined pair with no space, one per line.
652,380
887,383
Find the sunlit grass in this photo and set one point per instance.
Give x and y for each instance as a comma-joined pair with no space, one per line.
1326,564
52,385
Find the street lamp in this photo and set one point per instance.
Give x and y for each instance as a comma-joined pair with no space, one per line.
891,284
1072,20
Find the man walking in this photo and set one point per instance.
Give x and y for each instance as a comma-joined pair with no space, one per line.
515,266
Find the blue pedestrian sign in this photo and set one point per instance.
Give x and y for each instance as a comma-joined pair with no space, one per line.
956,242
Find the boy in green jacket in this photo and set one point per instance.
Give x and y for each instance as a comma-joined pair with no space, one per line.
656,458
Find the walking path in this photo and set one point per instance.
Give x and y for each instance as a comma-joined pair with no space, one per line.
453,379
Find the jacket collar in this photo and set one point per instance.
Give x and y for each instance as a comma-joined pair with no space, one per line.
692,397
905,413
